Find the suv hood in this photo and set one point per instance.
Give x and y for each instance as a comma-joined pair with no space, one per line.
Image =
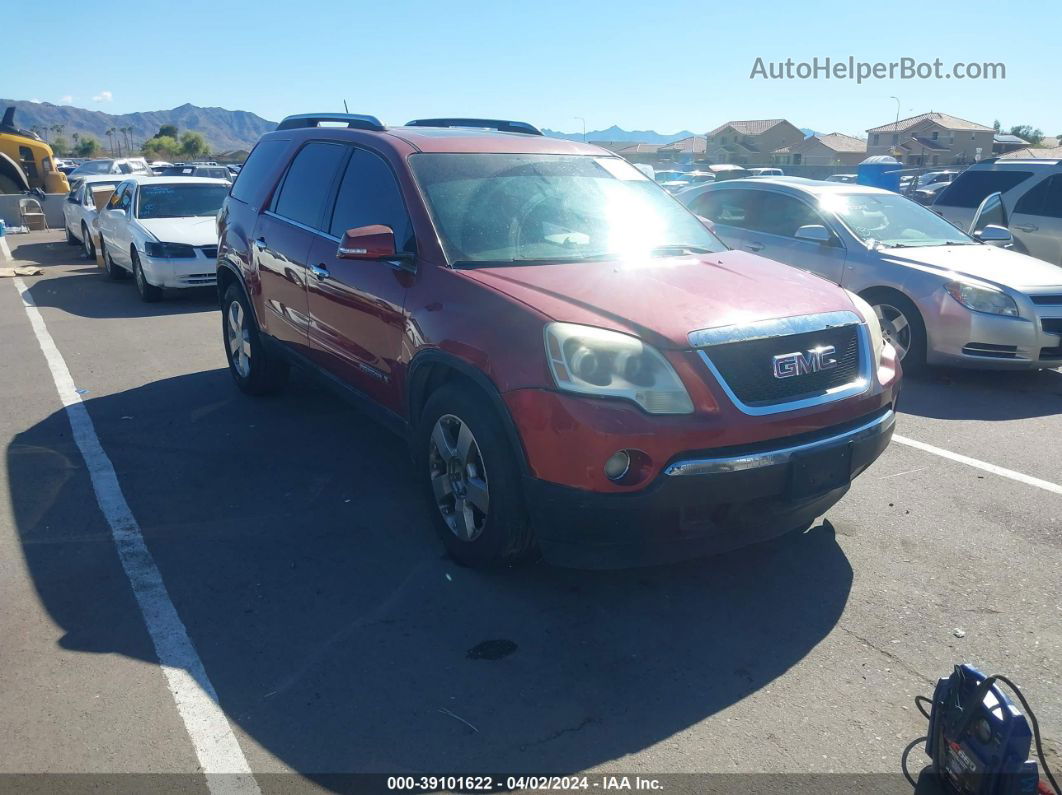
196,231
998,266
663,299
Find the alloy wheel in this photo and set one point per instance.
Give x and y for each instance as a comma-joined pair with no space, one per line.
895,327
239,339
458,477
86,244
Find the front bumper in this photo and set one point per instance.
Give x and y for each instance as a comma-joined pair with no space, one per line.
707,503
962,338
197,271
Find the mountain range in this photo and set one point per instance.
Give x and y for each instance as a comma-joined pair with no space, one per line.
224,130
229,130
615,133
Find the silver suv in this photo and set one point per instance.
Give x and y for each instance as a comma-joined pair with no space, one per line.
1032,202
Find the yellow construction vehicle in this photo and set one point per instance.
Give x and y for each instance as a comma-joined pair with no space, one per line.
27,162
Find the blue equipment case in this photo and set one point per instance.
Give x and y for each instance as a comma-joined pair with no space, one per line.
978,741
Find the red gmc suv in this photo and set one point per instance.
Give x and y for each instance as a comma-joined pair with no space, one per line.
578,364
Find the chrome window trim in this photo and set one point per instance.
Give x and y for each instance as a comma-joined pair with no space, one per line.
784,327
780,455
300,225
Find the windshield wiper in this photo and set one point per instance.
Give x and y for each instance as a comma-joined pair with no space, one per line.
681,248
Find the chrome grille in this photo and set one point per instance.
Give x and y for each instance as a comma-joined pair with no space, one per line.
743,358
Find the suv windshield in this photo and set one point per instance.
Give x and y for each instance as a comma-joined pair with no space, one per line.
892,220
513,208
180,201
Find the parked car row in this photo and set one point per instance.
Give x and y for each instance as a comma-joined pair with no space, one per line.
581,364
160,230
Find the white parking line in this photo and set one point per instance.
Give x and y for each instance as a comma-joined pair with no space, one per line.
216,747
1029,480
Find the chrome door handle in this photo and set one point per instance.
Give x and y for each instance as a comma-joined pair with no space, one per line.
754,246
260,244
319,272
1026,227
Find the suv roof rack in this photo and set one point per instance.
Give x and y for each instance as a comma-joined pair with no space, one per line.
354,121
501,125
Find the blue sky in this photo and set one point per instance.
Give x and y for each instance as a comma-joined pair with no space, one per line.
668,66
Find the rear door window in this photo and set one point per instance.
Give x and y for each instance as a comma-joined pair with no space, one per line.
256,172
308,183
1044,200
970,188
369,195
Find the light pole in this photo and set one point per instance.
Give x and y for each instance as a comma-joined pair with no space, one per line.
580,118
896,126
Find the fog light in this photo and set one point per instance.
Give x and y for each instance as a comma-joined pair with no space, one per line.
618,465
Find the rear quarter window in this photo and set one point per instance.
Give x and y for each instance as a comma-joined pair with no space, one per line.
970,188
256,172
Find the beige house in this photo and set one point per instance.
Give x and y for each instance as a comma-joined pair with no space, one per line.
1035,153
692,147
750,142
834,149
932,139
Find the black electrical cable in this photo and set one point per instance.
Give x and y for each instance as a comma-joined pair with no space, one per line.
918,703
906,753
1035,728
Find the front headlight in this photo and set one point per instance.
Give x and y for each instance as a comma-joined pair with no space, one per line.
169,250
595,361
877,340
982,299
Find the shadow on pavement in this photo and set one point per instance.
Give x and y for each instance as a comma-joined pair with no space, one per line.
89,293
953,394
295,547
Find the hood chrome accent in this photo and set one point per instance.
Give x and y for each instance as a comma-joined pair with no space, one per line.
776,327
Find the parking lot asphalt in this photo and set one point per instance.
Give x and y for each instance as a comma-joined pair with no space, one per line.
292,541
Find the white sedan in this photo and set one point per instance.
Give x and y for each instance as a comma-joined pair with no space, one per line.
162,230
79,212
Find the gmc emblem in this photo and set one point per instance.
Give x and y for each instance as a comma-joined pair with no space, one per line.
787,365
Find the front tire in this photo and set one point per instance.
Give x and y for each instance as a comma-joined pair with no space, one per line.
70,239
471,479
902,326
149,293
255,368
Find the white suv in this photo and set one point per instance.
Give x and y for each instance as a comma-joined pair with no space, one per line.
1032,201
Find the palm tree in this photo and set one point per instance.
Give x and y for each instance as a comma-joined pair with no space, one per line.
129,136
58,128
110,135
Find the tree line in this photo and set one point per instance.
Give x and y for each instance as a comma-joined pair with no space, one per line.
168,143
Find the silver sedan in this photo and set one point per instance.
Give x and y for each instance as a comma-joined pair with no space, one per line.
942,296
